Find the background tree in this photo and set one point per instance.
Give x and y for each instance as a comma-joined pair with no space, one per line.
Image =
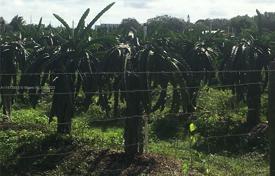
130,24
16,23
215,24
242,23
266,21
165,25
2,25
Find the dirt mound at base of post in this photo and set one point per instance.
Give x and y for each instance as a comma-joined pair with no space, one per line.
85,160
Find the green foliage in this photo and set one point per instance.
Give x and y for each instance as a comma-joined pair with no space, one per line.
221,122
192,127
13,139
30,116
215,107
212,164
28,142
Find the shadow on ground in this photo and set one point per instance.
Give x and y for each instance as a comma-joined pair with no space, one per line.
57,155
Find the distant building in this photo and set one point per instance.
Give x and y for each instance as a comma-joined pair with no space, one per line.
107,27
212,31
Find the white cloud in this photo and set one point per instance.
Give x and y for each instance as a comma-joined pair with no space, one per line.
139,9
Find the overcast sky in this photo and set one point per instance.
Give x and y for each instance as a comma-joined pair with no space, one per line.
139,9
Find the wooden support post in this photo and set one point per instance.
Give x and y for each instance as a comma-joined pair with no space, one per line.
146,133
271,117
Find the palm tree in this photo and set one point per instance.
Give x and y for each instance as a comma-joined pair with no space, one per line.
69,68
250,59
197,52
12,59
138,77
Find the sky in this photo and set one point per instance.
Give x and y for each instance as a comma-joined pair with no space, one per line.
71,10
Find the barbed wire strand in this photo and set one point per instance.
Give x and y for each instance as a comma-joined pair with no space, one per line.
128,117
124,91
128,72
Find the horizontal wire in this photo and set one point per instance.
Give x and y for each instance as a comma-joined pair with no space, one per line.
127,91
127,117
137,116
167,114
67,153
229,135
144,115
128,72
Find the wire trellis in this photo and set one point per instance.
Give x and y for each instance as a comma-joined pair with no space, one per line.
176,146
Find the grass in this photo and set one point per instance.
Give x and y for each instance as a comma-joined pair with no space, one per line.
214,164
31,128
